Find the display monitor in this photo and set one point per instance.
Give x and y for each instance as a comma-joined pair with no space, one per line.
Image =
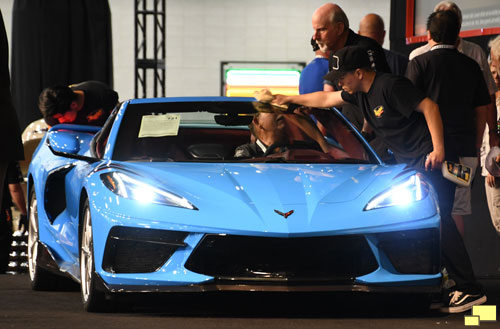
479,17
242,79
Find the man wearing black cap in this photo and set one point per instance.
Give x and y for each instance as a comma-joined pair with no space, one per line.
410,125
390,105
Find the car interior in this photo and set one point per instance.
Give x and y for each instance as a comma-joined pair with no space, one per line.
217,140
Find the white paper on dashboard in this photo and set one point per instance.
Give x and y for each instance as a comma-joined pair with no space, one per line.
159,125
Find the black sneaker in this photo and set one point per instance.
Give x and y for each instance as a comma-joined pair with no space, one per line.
461,302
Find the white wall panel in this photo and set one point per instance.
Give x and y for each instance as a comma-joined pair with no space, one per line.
202,33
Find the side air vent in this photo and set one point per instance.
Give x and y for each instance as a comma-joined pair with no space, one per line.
55,192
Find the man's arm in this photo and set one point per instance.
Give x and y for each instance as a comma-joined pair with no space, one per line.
491,114
17,195
317,99
367,129
482,112
310,129
432,116
490,180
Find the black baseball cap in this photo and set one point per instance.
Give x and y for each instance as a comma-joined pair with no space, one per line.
346,60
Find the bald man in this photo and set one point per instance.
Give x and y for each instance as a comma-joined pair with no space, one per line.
372,26
332,32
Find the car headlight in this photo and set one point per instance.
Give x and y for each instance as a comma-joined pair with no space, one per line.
413,189
131,188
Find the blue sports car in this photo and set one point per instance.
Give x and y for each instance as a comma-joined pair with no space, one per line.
215,193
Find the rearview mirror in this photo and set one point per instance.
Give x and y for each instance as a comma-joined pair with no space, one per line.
233,120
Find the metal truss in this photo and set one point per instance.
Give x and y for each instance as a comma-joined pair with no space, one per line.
150,17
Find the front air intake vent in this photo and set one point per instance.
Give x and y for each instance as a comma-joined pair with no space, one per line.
413,251
287,259
139,250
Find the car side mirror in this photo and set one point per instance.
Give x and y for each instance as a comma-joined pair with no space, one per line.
66,143
63,142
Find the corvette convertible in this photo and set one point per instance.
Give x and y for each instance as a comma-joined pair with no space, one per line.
215,193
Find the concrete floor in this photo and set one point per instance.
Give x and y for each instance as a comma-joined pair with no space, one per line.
20,307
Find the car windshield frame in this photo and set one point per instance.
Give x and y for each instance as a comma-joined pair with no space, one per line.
221,127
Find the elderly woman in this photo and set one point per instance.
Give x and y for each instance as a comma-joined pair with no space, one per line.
492,183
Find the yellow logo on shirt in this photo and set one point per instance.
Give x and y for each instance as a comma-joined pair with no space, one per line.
378,111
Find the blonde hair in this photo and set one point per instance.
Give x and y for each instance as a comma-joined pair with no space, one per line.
494,45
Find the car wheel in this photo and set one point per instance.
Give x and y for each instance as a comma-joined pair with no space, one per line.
93,300
40,278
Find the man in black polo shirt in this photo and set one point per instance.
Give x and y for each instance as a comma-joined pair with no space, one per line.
410,125
391,105
456,83
332,32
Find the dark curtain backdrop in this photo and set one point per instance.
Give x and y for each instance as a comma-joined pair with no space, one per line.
11,147
57,42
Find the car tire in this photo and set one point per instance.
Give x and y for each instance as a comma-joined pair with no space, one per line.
93,299
40,278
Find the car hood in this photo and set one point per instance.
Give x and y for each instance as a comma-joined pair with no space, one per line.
262,183
248,198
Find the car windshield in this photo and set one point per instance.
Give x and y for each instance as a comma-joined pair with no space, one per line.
246,132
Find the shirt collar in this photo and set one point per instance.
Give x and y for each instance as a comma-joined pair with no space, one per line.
351,38
443,47
261,145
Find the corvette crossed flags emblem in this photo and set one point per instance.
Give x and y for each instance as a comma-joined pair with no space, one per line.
284,214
